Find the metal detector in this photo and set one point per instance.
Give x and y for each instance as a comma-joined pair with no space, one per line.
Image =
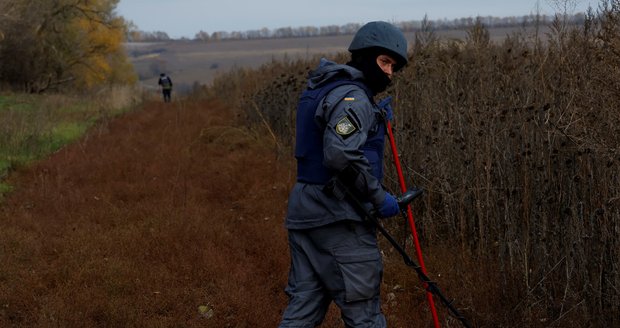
340,190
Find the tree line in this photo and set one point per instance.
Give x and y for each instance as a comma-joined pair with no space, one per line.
61,44
136,35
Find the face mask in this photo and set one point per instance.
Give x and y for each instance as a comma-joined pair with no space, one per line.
377,80
374,77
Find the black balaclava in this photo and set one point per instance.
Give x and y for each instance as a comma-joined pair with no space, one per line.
365,60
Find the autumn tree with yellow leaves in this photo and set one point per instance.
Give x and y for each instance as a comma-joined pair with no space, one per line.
62,44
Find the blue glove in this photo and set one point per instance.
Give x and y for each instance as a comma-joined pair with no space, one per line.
387,107
389,207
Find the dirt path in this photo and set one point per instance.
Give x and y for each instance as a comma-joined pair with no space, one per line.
145,220
170,216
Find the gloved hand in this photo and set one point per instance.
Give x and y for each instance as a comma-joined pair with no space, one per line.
389,206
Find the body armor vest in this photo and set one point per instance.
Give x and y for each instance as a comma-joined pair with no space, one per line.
309,137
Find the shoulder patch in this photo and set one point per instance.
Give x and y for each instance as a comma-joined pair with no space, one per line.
345,126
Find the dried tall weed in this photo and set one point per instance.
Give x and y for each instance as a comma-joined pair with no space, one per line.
517,144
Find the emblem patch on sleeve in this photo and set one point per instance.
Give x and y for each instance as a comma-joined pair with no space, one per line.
345,127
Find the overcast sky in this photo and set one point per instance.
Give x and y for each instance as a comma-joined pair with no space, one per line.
184,18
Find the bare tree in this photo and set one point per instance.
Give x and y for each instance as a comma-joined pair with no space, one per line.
202,36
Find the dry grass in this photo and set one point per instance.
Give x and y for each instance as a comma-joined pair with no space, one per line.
143,221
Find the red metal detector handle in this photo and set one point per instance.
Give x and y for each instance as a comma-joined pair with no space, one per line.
414,233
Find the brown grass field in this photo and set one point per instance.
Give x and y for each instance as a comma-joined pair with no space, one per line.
189,62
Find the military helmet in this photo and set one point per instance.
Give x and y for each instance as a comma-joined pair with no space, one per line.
381,35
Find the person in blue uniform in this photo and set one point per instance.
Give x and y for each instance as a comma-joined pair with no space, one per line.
334,252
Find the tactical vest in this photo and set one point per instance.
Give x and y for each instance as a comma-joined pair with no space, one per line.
166,83
309,138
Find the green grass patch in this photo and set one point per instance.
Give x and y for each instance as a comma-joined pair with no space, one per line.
5,189
5,164
63,134
34,126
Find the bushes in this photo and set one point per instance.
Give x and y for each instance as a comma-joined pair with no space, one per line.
62,44
532,169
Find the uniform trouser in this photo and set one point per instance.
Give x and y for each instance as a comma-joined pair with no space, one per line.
166,93
339,262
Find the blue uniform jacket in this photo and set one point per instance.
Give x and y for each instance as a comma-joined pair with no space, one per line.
347,117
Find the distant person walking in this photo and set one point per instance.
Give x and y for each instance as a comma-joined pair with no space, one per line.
166,86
